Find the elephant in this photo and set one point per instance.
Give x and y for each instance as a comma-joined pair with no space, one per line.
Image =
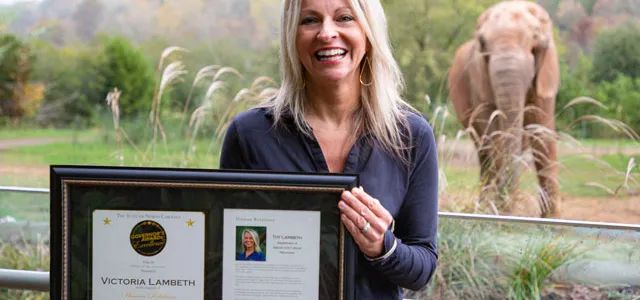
503,84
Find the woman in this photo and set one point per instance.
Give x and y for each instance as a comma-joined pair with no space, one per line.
251,246
339,110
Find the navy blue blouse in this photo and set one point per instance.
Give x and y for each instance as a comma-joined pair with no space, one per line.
255,255
410,194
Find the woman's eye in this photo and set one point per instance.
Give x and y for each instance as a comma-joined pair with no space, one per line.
307,20
345,18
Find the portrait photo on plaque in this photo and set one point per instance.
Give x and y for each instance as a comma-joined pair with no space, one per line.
251,243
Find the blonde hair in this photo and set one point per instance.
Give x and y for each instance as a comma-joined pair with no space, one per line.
255,237
382,112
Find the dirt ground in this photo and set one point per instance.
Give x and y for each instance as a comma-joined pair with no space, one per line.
623,209
23,170
580,292
13,143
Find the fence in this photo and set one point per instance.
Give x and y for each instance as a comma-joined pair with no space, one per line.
39,281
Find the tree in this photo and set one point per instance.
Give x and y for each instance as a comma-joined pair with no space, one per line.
16,62
127,69
87,17
617,51
425,45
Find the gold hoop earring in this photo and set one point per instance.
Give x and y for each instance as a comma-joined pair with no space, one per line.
366,61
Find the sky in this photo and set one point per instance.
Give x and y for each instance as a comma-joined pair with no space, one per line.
8,2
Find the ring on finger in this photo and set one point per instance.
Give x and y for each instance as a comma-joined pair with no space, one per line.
366,227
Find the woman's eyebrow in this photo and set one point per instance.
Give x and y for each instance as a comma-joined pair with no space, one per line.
312,11
344,8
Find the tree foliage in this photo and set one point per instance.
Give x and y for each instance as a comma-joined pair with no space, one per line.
72,81
425,35
16,61
78,78
78,64
617,51
126,68
87,17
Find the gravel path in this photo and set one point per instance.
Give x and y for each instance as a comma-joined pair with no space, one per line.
14,143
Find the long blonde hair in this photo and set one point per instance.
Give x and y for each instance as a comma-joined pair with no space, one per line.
382,111
256,240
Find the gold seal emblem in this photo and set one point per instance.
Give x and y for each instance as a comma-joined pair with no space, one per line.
148,238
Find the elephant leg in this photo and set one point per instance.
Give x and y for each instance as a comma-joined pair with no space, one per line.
509,155
485,146
543,145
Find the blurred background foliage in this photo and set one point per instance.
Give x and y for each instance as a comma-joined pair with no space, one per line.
60,58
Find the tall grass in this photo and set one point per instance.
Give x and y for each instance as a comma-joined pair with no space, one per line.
466,266
496,197
21,255
541,256
209,115
476,262
483,260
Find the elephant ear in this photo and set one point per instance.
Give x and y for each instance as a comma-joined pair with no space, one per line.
546,56
459,84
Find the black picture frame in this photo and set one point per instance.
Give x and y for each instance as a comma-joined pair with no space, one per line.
76,191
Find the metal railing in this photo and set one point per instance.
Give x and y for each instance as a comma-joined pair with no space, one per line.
465,216
39,281
19,189
24,280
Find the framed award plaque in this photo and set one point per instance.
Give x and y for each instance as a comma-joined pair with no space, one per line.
162,233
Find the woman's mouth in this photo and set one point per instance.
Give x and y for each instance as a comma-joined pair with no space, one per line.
330,55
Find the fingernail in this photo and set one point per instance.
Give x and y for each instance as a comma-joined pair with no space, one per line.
344,217
341,204
355,191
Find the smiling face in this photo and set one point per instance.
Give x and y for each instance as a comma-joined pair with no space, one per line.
330,42
248,241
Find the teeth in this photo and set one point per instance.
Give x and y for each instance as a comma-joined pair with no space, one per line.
331,52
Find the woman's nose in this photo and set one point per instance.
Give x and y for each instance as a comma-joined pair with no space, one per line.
327,32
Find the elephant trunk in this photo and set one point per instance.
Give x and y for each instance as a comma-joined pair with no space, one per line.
510,74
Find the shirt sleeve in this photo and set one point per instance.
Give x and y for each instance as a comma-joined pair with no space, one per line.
410,248
232,154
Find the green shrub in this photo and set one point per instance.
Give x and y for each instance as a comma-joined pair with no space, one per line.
72,81
79,77
614,103
125,67
576,82
16,62
622,96
617,50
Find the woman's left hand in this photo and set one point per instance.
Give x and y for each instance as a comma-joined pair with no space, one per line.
366,219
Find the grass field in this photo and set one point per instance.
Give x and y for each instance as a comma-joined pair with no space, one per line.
592,175
99,153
